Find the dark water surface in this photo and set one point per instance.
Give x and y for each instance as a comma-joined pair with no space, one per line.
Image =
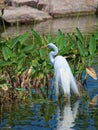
54,116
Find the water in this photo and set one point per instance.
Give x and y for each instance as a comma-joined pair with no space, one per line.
54,116
87,24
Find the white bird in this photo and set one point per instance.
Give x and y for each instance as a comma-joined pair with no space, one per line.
63,73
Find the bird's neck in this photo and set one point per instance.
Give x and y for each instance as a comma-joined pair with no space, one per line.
52,55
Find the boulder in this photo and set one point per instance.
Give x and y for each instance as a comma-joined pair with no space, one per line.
24,14
43,4
32,3
60,8
23,10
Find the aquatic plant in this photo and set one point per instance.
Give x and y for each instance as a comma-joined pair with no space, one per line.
25,65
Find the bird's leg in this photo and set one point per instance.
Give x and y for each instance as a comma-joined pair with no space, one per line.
68,98
57,86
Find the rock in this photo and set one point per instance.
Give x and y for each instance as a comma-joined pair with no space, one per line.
55,8
32,3
43,4
8,2
60,8
50,27
24,14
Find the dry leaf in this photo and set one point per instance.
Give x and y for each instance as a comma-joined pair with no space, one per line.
93,102
91,72
4,87
29,71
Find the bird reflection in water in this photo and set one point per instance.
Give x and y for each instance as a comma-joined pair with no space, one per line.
66,117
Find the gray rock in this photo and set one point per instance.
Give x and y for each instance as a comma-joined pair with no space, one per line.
60,8
32,3
55,8
24,14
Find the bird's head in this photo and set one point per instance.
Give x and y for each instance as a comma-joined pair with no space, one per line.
50,45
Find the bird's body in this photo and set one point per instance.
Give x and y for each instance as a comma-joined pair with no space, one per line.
63,74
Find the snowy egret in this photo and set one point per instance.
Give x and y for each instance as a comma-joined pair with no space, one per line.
63,73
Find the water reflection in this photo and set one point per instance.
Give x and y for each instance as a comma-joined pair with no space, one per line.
40,117
61,116
67,24
67,116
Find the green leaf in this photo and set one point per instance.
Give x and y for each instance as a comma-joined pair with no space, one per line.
23,37
61,40
92,45
37,36
18,39
28,48
5,51
70,39
43,52
81,49
80,36
65,50
96,36
5,63
20,89
60,32
14,42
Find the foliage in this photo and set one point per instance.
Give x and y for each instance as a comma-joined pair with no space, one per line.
24,63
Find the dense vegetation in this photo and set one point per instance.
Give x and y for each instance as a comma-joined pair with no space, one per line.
25,65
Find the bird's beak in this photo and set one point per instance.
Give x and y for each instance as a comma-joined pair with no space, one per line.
44,46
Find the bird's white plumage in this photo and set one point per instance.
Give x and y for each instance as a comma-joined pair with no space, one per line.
64,76
63,73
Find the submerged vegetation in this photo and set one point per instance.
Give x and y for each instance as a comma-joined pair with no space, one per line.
25,66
